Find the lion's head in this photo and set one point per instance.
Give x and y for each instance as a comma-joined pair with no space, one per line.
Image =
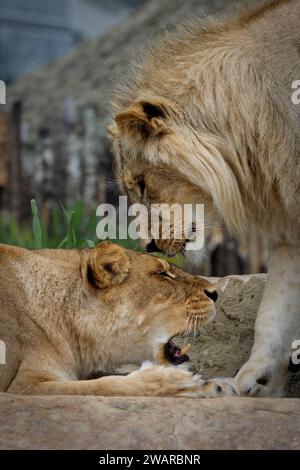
172,137
155,154
195,122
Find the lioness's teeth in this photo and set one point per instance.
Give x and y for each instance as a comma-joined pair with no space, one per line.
186,349
170,274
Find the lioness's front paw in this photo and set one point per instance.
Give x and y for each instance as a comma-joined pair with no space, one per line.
220,387
154,380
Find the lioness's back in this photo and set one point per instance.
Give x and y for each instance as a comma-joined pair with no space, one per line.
10,323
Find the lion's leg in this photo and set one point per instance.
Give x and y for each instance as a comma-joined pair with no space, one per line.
277,326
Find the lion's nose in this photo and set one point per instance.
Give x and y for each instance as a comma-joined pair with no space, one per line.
152,247
212,294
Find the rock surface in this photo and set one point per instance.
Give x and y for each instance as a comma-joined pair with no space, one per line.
148,423
224,345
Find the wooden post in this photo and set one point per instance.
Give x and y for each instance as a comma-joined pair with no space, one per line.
3,149
102,189
89,155
15,174
73,150
48,185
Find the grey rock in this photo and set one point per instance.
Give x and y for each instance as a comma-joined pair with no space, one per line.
148,423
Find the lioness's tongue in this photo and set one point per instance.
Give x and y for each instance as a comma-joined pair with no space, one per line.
174,350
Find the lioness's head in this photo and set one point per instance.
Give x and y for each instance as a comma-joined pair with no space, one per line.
143,302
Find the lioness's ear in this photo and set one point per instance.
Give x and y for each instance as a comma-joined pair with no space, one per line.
145,117
109,265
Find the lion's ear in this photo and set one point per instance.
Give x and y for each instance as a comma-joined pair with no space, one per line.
109,265
145,117
112,131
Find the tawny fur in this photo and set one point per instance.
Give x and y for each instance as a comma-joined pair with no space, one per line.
65,314
228,126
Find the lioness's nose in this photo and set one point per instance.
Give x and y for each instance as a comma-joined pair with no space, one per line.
212,294
152,247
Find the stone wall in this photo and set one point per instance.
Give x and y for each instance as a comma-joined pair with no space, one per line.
148,423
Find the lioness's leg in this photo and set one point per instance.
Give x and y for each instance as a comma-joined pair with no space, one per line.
277,326
150,380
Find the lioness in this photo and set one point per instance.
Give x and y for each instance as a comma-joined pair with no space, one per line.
66,314
209,117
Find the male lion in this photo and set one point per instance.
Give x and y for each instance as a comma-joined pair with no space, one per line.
66,314
208,117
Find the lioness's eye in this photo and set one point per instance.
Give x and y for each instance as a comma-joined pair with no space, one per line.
167,274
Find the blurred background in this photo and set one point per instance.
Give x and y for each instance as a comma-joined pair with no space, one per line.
59,59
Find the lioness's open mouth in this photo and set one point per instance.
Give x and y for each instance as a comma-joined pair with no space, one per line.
174,354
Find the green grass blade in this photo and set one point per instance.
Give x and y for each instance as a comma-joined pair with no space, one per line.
63,243
71,237
36,225
88,243
66,213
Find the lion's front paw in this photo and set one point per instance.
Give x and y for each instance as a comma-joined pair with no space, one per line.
260,379
220,387
153,380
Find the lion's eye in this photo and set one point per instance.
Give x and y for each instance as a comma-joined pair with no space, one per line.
167,274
